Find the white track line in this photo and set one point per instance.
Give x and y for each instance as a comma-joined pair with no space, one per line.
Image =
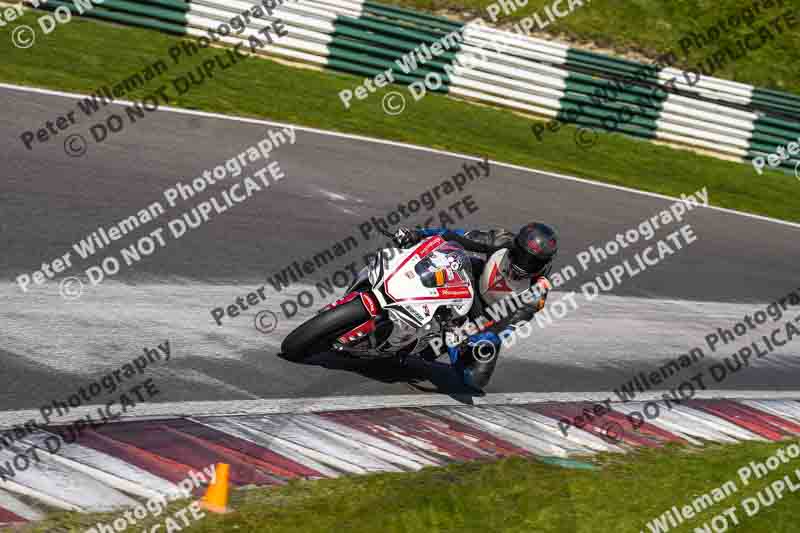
342,403
403,145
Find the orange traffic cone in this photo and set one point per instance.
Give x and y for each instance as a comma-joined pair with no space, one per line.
216,498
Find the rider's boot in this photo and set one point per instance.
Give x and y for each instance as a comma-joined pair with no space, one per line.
475,361
403,353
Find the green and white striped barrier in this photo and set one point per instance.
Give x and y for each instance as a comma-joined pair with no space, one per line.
501,68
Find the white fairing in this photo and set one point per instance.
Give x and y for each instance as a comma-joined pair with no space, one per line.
495,283
409,280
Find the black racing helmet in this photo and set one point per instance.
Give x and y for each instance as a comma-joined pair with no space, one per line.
533,250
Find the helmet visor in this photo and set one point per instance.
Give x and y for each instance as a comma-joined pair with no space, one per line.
524,264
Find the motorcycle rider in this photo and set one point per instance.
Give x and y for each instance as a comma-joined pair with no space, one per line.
504,266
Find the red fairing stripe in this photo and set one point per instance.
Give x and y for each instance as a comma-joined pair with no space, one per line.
370,304
428,247
455,292
357,332
343,300
446,293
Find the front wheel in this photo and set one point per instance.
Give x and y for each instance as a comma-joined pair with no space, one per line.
319,333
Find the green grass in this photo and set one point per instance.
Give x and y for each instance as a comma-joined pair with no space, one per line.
511,495
654,27
84,54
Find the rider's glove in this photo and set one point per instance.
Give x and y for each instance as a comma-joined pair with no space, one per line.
525,312
539,291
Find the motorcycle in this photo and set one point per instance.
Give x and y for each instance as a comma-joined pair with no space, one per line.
401,301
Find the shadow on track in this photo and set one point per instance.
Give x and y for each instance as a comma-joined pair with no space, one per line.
431,378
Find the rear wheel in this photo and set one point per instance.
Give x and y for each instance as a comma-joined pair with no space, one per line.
319,333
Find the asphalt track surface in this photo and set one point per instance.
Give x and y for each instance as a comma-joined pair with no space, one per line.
49,346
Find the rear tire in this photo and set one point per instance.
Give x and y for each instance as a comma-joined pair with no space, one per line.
318,334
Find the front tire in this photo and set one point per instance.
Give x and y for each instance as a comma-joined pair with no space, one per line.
318,334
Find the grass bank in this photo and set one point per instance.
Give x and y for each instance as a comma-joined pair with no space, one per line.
511,495
85,54
655,27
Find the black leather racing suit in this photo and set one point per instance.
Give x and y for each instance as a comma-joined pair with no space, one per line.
473,358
